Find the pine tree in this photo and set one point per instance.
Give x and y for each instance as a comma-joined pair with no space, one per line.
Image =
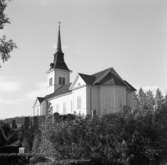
46,147
158,99
165,99
142,99
150,102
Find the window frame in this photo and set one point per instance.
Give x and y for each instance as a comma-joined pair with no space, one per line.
62,81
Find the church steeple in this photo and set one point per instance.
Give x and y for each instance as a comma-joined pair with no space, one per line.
58,62
59,39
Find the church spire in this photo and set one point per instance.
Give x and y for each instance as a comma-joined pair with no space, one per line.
58,61
59,39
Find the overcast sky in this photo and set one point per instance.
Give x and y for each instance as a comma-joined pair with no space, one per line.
129,35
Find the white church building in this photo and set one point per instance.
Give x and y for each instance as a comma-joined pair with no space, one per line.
102,93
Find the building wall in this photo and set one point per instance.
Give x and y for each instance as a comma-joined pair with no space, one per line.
62,104
62,73
36,108
112,99
68,103
50,75
79,95
93,99
43,108
106,99
101,99
75,101
55,74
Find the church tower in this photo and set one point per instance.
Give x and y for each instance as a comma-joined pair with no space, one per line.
59,73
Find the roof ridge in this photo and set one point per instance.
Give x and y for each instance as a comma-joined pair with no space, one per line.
84,74
102,76
102,71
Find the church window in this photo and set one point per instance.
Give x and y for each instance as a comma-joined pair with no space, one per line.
50,82
78,102
61,80
64,108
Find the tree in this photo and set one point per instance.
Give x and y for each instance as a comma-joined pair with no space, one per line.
150,100
26,123
158,98
14,125
142,98
6,46
165,99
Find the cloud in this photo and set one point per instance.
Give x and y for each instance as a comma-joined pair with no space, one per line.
9,86
44,3
11,101
40,90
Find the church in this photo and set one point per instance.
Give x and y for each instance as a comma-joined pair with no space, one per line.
102,93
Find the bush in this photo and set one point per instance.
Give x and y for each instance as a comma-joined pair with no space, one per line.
116,138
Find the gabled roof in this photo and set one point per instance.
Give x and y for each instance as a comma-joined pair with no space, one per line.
106,77
61,90
130,86
40,99
87,78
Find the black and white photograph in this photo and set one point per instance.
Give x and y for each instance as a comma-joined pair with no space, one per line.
83,82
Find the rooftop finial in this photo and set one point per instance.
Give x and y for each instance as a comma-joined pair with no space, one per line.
59,39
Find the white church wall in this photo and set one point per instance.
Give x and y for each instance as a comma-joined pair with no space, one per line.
78,82
71,103
44,108
79,100
112,99
62,104
50,76
36,109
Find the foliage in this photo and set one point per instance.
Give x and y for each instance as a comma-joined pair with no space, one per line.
135,137
158,98
130,136
7,135
14,125
6,46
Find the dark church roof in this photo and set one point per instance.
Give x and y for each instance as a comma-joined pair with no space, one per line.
106,77
61,90
40,99
89,79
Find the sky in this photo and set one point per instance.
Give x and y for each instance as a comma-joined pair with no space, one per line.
129,35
